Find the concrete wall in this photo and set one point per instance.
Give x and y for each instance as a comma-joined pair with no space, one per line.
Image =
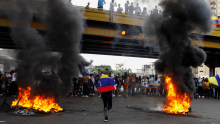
203,71
217,71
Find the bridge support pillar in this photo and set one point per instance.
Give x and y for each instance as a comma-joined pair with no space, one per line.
212,71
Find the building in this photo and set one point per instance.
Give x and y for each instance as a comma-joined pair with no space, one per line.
203,71
215,5
217,71
139,72
148,69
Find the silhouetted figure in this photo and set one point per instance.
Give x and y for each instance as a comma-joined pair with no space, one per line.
137,9
126,7
144,12
131,9
120,9
151,13
87,6
160,12
112,5
101,3
155,11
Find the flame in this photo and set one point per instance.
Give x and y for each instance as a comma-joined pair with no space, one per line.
177,103
39,103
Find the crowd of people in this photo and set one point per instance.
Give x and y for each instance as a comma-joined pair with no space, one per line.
86,85
8,83
205,89
129,8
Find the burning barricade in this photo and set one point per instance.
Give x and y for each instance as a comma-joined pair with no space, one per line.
177,102
25,104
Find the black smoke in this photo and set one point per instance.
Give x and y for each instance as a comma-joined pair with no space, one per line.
170,30
65,28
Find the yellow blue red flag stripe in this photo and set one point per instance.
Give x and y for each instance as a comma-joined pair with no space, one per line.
106,84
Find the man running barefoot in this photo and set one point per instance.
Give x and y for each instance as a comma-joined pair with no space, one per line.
105,87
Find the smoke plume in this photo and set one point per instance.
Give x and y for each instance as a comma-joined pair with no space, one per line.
170,30
65,28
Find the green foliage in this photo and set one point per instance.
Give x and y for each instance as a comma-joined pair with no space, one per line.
102,68
119,69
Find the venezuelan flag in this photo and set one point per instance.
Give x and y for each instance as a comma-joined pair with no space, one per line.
215,19
215,80
106,84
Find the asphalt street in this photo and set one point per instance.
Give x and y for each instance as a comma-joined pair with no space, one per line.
138,109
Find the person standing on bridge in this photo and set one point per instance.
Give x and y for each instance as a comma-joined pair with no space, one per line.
126,7
131,9
137,9
101,3
105,87
112,5
120,9
144,12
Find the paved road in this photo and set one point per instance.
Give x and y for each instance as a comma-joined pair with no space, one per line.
138,109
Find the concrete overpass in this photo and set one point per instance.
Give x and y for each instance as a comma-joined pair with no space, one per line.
102,35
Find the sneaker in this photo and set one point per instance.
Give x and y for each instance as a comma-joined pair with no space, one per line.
105,112
126,96
81,93
106,119
99,95
199,96
82,96
93,94
75,95
90,94
86,96
203,97
119,95
78,93
71,96
1,95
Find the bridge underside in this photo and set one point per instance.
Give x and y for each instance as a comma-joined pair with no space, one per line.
92,44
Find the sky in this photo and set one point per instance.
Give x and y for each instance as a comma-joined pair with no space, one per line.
129,62
150,4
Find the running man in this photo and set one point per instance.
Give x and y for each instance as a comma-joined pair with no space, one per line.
105,87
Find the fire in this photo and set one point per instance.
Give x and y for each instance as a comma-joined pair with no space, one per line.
177,103
39,103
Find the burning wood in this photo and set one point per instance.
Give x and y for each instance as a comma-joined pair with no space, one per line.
177,103
39,103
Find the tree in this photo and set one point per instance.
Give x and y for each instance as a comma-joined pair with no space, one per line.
115,72
102,68
119,67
